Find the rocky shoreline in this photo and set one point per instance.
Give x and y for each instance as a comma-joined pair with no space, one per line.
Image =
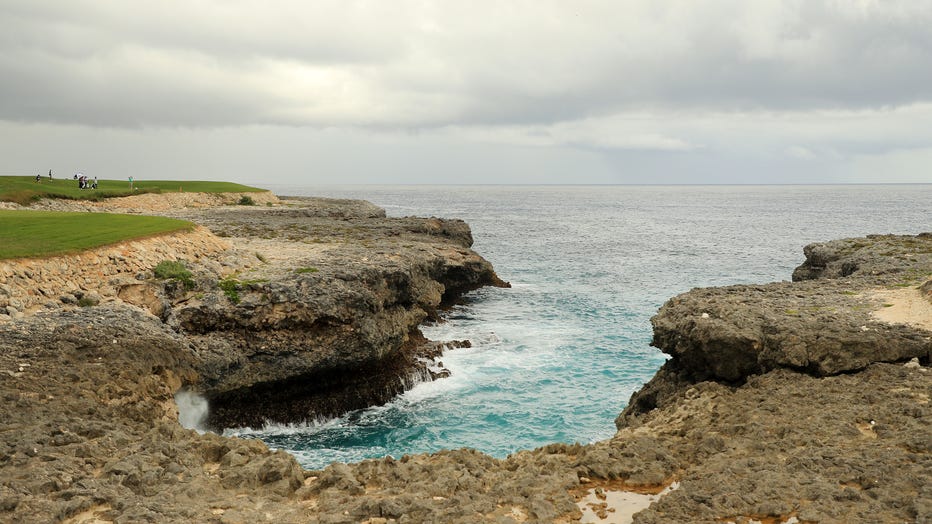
799,401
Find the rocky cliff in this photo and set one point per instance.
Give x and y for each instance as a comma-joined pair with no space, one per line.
326,318
788,402
313,314
803,400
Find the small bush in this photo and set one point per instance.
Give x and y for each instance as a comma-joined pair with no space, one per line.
228,286
87,302
175,270
246,200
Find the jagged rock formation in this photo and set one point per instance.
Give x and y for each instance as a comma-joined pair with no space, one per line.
89,428
331,328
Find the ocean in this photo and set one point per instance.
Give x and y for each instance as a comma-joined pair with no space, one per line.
556,357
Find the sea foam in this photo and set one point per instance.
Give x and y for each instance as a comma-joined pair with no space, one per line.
192,410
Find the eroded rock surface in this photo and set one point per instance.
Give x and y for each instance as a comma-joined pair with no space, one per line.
325,317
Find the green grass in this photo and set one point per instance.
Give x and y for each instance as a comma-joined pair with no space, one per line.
306,270
24,189
47,233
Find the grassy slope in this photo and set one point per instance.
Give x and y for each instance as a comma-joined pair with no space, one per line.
45,233
24,189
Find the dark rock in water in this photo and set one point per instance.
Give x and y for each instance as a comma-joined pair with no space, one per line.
325,393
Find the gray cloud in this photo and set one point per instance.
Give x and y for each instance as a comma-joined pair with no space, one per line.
404,64
629,89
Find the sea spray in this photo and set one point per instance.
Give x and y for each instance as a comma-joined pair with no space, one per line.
192,409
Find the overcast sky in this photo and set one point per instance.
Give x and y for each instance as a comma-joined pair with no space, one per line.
332,92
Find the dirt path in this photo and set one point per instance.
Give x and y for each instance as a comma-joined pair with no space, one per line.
904,306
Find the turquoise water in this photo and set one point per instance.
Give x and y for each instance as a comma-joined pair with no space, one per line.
556,357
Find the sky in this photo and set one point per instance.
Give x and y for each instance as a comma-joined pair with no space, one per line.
321,92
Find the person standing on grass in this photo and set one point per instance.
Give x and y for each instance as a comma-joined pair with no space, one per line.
37,178
50,174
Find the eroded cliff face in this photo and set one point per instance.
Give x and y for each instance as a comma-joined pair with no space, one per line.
325,317
313,314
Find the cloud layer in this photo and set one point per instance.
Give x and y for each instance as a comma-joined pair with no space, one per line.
800,80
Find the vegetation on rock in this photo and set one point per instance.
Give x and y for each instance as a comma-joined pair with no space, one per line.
176,270
228,286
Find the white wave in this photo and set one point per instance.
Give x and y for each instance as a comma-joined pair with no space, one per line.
270,428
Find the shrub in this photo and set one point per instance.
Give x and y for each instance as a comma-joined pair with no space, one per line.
228,286
174,270
246,200
87,301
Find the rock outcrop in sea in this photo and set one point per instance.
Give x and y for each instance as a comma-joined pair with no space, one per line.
805,400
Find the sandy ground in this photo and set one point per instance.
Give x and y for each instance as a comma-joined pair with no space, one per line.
904,306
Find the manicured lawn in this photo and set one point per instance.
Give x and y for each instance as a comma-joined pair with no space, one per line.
25,189
47,233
